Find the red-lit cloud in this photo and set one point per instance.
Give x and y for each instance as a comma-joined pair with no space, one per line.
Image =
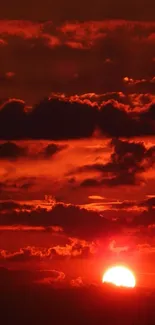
76,57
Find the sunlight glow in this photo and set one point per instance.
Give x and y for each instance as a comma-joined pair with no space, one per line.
119,276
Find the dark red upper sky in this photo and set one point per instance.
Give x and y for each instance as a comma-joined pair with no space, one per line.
61,10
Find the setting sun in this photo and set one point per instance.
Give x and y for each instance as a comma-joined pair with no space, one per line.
119,276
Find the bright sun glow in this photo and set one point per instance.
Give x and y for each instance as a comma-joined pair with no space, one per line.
119,276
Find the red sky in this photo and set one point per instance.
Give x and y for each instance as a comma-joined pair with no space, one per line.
77,145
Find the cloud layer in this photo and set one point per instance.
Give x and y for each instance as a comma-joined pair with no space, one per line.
66,119
76,57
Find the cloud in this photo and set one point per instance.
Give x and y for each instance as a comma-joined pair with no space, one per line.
92,99
59,119
6,206
116,122
68,66
12,118
149,113
28,30
75,221
149,202
10,150
78,282
52,119
140,100
73,249
66,119
51,149
145,218
76,248
23,255
16,278
108,215
117,249
76,34
55,276
128,161
146,249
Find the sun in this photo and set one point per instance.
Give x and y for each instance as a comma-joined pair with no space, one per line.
120,276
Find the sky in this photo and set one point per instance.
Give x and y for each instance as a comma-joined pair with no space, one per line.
77,140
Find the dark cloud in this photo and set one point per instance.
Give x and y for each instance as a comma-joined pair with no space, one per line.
10,150
146,218
25,277
12,119
127,162
116,122
149,202
12,206
90,182
26,186
150,113
51,119
51,150
124,205
75,221
60,119
21,183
